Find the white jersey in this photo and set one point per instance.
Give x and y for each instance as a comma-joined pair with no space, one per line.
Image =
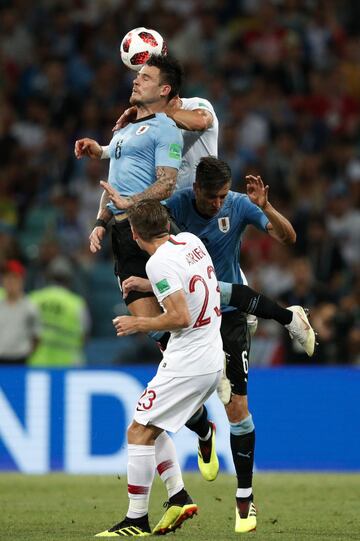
183,263
196,143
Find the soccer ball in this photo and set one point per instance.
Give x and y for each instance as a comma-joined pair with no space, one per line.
138,45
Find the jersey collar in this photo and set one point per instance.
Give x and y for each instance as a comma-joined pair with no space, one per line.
143,119
173,241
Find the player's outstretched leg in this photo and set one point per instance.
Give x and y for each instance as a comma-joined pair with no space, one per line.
251,302
208,461
293,318
180,507
301,330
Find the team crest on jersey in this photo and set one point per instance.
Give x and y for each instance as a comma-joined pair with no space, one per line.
142,129
224,224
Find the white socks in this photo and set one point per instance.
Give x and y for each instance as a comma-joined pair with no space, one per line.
167,464
140,475
244,492
142,461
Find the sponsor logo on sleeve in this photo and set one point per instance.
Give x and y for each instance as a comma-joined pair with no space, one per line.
163,285
175,151
202,104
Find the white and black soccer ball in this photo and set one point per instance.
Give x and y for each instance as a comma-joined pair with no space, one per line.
139,44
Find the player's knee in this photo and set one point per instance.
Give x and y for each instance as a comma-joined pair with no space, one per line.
136,434
242,427
131,432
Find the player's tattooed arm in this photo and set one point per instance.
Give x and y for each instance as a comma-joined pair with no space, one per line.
162,188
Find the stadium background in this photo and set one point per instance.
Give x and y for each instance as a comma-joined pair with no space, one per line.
284,78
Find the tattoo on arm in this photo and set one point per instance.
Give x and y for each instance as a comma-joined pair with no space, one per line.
162,188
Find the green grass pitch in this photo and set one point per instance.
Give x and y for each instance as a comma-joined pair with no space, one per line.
291,507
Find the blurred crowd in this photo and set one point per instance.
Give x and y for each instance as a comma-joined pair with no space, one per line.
284,79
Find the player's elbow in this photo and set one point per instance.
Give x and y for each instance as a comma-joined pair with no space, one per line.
169,188
202,122
287,236
168,193
290,238
183,320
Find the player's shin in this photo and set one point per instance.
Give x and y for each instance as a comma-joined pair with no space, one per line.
242,441
200,424
141,471
167,464
179,506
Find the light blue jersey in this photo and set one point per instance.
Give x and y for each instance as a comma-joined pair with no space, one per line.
222,233
136,150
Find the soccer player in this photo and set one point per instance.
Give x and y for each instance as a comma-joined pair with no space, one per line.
219,216
182,276
144,160
199,124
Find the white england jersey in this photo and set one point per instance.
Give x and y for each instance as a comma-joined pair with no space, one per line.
196,143
183,263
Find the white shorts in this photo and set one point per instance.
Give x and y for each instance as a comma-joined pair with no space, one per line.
168,403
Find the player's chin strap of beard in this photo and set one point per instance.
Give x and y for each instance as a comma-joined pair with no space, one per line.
224,387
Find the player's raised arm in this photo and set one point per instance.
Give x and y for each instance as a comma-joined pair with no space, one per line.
190,120
278,227
88,147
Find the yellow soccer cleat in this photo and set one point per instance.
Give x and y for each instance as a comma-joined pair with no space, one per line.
208,461
127,528
174,516
245,522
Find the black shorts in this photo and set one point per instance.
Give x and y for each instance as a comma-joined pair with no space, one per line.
236,342
130,260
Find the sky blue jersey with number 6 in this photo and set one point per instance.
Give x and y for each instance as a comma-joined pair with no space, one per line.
136,150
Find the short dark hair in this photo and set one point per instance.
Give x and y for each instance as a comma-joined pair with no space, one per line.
149,218
212,173
171,72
